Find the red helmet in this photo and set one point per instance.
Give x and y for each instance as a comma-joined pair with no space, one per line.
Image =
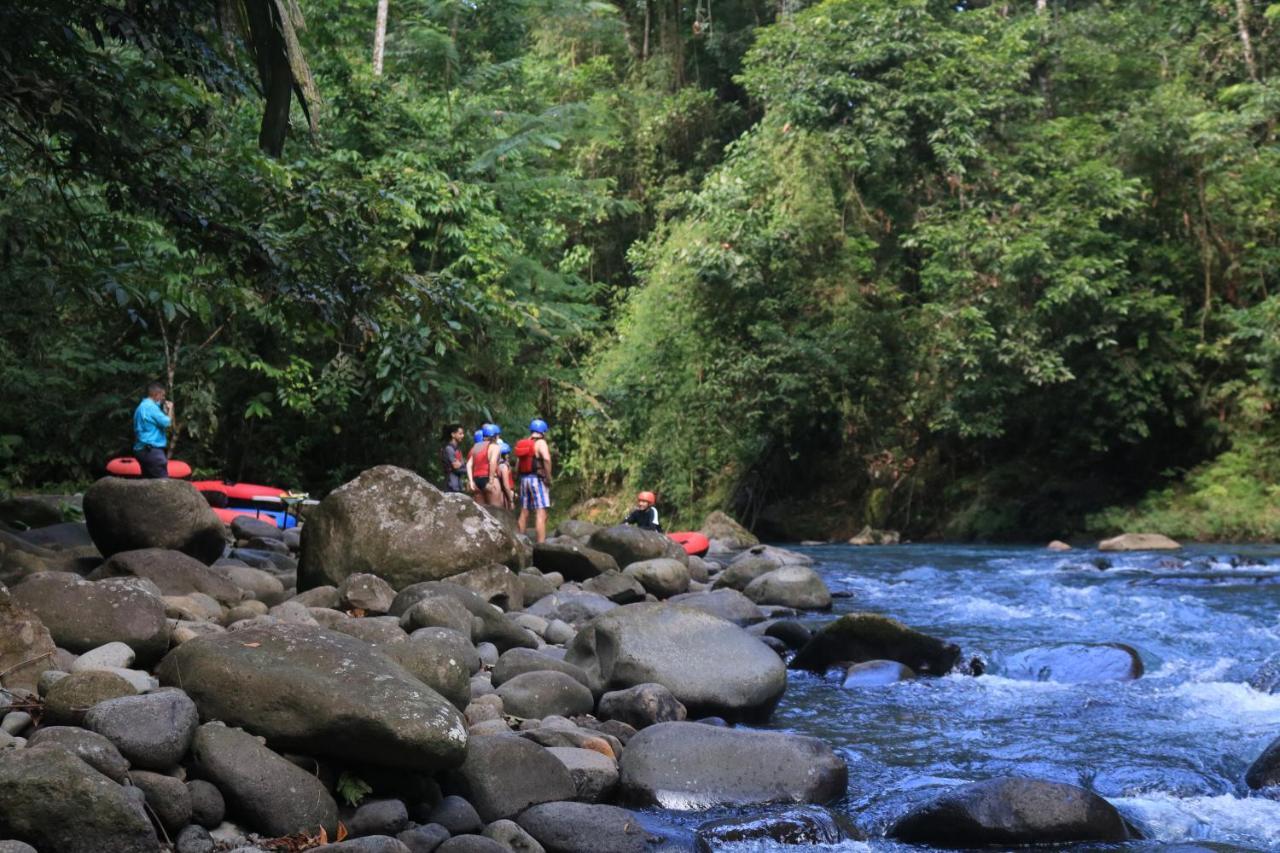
647,497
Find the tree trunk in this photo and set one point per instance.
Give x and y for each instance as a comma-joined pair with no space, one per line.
380,37
1246,42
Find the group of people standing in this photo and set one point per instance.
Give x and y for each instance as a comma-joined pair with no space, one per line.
496,474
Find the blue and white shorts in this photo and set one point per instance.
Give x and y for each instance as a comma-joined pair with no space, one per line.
534,493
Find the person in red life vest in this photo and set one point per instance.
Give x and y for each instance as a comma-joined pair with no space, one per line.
533,464
506,481
451,457
645,515
478,464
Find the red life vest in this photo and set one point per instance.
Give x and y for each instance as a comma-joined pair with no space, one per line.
527,461
480,460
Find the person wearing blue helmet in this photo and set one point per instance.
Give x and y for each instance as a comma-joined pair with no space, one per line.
482,467
533,463
505,480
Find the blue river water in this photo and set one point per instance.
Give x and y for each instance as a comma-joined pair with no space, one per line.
1169,749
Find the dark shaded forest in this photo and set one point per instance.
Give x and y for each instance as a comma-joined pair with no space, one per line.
969,270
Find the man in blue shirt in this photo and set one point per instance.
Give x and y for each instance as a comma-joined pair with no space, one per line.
153,416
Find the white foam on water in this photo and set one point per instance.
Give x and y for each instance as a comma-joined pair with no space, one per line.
1229,701
1253,820
984,608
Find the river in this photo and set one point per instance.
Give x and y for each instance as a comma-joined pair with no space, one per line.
1169,749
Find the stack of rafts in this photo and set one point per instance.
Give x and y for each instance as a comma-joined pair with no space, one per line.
228,499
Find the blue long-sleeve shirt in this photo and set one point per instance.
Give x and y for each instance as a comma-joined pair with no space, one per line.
149,424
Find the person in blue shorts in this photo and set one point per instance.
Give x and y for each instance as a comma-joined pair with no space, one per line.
153,416
533,462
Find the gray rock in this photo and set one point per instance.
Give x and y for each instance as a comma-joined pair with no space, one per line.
1138,542
663,577
167,798
31,510
488,653
471,844
584,828
1267,677
69,698
492,627
456,815
1012,811
798,587
26,647
424,839
109,657
535,585
628,544
393,523
559,632
152,731
208,808
577,529
437,612
1075,663
366,592
711,666
699,570
721,527
859,637
15,723
728,604
516,662
873,673
16,847
594,775
509,834
274,796
458,645
56,802
792,633
126,515
617,587
434,663
745,568
320,596
496,584
293,613
83,615
259,584
378,817
174,572
795,826
534,695
641,706
367,844
320,693
1264,772
504,775
572,606
245,527
572,559
194,839
692,766
90,747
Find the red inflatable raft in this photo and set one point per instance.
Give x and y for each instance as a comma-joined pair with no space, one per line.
127,466
694,544
238,491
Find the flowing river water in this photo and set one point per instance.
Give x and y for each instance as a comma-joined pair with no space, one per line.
1169,749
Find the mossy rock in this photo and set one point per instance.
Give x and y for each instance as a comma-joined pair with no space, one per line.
859,637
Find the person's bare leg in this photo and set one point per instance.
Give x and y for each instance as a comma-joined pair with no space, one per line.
522,523
540,525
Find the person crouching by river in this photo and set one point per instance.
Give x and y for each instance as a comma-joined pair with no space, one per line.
153,416
451,457
645,515
533,463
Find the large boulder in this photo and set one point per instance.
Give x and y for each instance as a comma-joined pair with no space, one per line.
663,577
798,587
628,544
695,766
272,795
392,523
1012,811
534,695
572,559
586,828
1075,663
318,692
26,648
52,800
504,775
710,665
729,533
757,561
125,515
173,572
728,604
1264,772
859,637
1138,542
152,731
82,615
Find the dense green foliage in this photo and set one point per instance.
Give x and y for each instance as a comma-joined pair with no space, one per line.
969,269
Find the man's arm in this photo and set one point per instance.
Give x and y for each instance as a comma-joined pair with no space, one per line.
471,480
163,415
544,453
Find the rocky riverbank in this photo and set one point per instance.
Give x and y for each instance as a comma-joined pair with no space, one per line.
410,675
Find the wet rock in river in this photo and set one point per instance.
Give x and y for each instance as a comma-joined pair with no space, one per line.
798,587
873,673
1075,663
859,637
1265,770
806,826
1267,678
1012,811
1138,542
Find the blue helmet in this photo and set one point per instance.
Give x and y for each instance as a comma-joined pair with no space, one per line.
479,436
504,448
491,430
538,425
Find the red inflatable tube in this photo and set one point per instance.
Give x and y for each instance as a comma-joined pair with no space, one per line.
694,544
238,491
127,466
